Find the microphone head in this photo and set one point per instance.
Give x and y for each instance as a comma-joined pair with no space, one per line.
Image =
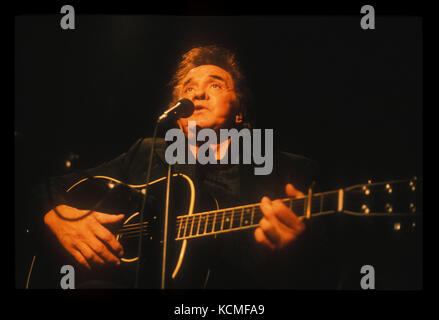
186,108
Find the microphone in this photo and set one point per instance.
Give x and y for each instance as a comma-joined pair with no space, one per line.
183,108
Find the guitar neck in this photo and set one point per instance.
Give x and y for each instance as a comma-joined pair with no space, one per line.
248,216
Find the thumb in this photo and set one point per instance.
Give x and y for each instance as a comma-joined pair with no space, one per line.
104,218
292,191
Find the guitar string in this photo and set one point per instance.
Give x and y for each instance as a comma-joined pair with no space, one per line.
211,213
222,224
231,230
203,229
133,227
240,214
206,221
134,233
195,219
296,206
238,218
231,223
132,230
189,219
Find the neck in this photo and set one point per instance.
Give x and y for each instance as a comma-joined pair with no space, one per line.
248,216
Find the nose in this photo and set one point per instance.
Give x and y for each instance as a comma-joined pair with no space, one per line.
200,94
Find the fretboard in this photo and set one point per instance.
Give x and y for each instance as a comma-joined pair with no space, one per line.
248,216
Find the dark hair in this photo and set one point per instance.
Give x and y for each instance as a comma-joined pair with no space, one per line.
218,56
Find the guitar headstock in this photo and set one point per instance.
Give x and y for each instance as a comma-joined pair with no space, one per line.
391,198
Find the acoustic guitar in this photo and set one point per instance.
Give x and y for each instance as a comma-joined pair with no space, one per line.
192,217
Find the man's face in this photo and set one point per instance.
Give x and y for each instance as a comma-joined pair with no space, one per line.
212,91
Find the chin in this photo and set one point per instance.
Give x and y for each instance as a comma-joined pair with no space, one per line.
203,123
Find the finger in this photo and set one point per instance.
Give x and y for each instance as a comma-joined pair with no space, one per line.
108,238
267,209
278,232
280,215
89,254
80,258
104,218
266,206
291,191
269,212
278,235
286,216
101,249
261,238
269,231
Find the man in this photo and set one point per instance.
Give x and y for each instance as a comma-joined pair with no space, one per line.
210,77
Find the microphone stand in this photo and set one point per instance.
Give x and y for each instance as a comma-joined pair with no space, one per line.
145,196
165,231
187,106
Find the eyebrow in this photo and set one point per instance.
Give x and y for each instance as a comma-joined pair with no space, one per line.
217,77
210,76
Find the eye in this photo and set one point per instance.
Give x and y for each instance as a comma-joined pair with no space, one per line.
189,89
215,86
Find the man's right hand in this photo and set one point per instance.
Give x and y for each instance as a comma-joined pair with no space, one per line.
87,240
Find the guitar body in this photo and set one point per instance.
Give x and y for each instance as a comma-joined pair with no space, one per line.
115,197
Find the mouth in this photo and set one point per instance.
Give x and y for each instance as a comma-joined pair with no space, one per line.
199,108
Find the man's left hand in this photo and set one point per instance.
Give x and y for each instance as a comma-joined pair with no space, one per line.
280,225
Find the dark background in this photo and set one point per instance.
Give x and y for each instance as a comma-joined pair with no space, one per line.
348,98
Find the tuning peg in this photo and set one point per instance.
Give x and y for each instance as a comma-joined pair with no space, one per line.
366,190
412,183
365,209
388,188
71,157
389,208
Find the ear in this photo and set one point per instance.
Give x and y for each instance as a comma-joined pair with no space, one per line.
238,118
237,110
